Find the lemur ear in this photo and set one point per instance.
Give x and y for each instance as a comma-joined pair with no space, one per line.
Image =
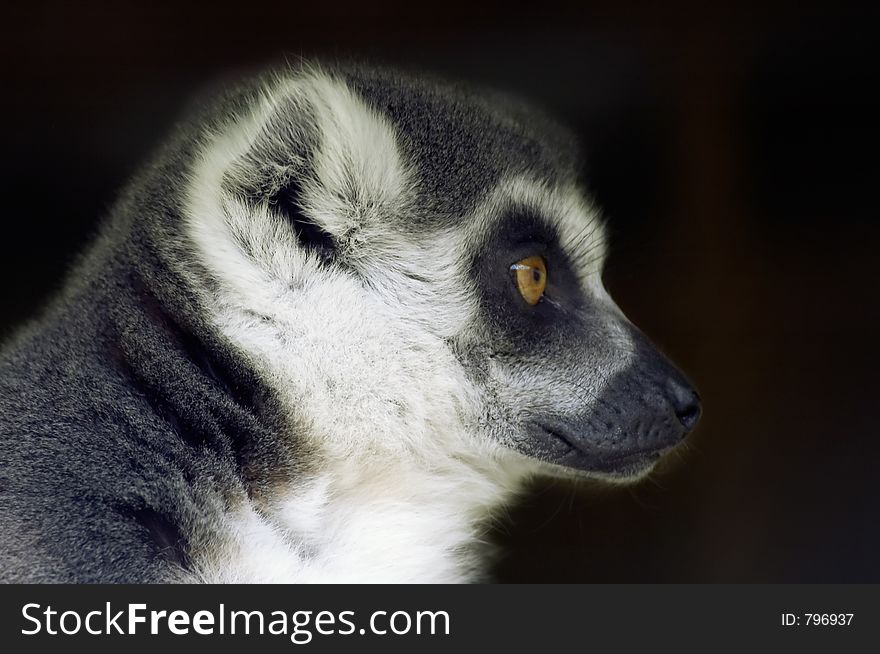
324,158
311,169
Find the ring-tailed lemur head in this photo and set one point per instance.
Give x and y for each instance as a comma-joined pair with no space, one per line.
416,271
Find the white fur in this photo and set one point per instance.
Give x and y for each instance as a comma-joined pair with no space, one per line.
399,487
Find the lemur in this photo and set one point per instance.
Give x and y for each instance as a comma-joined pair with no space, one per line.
337,321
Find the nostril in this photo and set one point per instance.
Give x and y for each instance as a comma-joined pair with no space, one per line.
689,415
686,403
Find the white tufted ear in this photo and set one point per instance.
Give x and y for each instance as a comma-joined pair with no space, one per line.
310,127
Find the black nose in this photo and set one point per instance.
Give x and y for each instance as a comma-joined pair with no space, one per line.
685,402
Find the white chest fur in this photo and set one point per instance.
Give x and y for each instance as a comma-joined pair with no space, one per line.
397,526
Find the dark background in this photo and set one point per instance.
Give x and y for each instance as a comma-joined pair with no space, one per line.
734,151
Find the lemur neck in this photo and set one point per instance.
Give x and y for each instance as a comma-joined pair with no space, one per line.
396,522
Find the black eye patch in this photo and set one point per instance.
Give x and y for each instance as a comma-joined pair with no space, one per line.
515,325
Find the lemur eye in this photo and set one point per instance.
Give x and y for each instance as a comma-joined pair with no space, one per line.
531,278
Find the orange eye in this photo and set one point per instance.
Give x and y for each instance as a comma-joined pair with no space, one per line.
531,278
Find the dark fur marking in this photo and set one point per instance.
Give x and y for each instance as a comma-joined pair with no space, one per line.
164,533
310,235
